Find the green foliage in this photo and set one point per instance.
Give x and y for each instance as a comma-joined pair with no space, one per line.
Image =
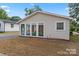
15,18
78,29
74,13
3,14
74,26
31,10
1,32
28,11
74,10
37,8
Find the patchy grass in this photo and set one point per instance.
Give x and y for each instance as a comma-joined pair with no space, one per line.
36,46
74,38
1,33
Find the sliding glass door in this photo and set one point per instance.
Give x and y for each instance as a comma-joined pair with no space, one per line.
27,29
22,29
40,30
34,30
37,28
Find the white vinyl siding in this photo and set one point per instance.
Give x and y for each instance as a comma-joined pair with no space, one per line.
2,26
13,27
49,25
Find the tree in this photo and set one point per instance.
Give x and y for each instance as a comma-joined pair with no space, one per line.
73,25
74,10
77,27
28,11
3,14
15,18
31,10
36,8
74,13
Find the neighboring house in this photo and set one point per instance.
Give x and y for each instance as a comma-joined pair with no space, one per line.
45,25
8,26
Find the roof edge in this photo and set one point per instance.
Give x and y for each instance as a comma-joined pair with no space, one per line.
54,14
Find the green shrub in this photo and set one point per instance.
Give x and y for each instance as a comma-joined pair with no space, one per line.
71,33
1,31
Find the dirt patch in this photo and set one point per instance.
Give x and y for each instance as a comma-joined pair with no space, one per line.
36,46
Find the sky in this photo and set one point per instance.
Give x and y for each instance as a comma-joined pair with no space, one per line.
18,9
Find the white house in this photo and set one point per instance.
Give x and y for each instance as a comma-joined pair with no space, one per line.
8,26
45,25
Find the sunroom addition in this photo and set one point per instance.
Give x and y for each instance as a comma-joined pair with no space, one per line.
32,29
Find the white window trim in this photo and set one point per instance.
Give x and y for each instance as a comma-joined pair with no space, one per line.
37,29
25,30
31,30
56,25
20,29
43,29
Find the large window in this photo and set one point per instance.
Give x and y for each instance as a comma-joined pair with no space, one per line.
22,29
60,26
34,30
27,29
40,29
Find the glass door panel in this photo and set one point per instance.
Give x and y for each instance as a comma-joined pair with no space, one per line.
33,30
22,29
40,30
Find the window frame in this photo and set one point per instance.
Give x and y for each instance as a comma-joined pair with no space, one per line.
26,29
63,26
22,34
42,29
35,28
12,25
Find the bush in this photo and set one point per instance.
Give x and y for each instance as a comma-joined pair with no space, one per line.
71,32
77,29
1,31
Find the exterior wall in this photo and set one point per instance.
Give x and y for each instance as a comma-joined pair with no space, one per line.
50,25
8,27
2,26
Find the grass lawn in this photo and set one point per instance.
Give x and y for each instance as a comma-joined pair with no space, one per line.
1,33
36,46
74,38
